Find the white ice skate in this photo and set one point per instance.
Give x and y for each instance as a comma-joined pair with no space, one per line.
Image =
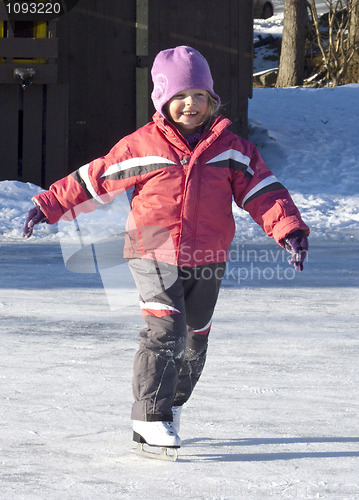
158,434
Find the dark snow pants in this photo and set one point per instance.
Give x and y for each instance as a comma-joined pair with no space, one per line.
177,304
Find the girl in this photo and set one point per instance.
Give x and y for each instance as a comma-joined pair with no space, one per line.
186,166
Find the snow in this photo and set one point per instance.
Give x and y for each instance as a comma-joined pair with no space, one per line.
266,57
275,414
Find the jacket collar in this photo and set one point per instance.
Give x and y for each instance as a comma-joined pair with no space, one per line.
175,137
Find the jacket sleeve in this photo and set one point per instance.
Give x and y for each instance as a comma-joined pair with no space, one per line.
91,185
268,202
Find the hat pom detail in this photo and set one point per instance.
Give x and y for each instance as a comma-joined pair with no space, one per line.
160,88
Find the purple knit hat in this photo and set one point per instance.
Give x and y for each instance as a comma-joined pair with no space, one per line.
181,68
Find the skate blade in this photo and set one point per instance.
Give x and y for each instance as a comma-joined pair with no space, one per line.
164,455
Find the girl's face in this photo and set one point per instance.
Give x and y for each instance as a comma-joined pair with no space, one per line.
188,109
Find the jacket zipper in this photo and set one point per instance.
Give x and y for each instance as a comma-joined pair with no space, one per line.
188,170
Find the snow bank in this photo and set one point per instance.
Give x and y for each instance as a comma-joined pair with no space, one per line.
309,138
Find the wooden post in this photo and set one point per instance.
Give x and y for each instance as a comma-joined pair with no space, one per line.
142,93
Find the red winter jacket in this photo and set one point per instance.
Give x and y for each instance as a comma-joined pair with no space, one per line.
186,193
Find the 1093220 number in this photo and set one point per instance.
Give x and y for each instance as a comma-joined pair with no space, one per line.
37,9
33,8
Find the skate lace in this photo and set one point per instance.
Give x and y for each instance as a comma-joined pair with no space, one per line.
169,427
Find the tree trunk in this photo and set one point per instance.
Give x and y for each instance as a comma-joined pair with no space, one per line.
291,64
354,24
353,70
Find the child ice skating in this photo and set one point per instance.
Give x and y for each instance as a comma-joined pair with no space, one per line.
186,167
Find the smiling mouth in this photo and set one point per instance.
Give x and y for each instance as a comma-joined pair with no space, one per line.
190,113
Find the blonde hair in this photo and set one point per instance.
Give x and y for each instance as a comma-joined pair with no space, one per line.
211,112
